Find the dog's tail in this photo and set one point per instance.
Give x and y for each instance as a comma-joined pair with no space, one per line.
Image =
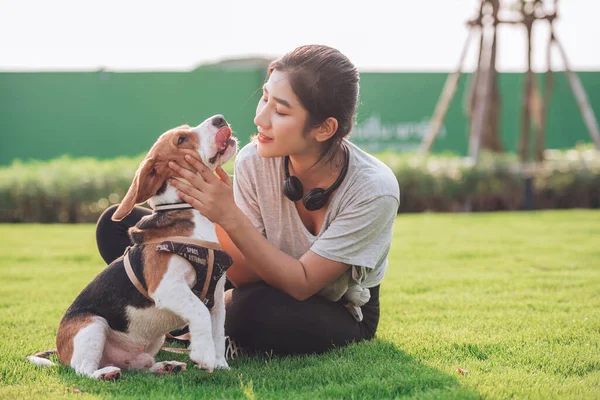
42,359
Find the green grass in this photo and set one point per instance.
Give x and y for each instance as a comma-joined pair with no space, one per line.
513,298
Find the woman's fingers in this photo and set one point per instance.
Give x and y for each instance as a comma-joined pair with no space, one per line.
188,191
192,201
191,176
202,189
201,168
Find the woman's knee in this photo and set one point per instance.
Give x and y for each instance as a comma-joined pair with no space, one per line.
112,237
106,224
105,219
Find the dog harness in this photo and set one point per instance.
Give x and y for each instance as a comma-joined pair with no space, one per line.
207,258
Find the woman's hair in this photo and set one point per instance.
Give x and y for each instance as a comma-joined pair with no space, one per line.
326,83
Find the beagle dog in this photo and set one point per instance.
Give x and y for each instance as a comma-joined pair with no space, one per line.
119,321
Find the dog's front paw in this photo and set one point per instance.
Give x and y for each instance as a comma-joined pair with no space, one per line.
204,358
221,363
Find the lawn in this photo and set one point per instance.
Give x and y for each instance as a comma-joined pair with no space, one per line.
513,298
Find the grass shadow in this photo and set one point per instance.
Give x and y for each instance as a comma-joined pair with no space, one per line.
375,369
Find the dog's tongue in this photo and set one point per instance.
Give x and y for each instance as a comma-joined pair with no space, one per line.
222,138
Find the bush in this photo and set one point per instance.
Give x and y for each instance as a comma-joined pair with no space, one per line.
64,189
567,179
78,189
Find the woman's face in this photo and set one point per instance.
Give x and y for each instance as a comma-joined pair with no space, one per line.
280,119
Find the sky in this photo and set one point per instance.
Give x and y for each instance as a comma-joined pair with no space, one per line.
377,35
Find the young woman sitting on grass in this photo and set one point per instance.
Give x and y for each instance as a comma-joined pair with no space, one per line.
308,219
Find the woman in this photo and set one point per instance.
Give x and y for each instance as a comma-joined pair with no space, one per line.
308,220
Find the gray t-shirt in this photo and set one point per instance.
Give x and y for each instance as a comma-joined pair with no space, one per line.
358,224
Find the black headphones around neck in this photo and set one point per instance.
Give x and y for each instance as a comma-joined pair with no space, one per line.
316,198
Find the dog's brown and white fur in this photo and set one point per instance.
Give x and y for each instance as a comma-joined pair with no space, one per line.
133,332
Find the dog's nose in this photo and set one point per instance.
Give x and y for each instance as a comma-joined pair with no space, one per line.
219,121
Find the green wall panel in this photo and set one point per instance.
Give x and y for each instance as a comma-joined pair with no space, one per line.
44,115
105,114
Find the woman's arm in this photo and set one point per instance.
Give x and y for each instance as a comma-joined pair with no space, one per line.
213,197
298,278
240,273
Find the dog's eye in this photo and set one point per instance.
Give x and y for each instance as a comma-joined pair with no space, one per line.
182,139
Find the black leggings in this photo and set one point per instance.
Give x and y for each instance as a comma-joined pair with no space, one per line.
260,317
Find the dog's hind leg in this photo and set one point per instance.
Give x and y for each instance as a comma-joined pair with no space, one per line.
88,347
166,367
154,347
163,367
217,317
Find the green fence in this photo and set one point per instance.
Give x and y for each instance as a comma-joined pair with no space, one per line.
396,109
106,114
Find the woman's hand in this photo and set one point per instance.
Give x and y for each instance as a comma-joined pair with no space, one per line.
211,195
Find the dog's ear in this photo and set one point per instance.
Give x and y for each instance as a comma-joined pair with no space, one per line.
146,182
